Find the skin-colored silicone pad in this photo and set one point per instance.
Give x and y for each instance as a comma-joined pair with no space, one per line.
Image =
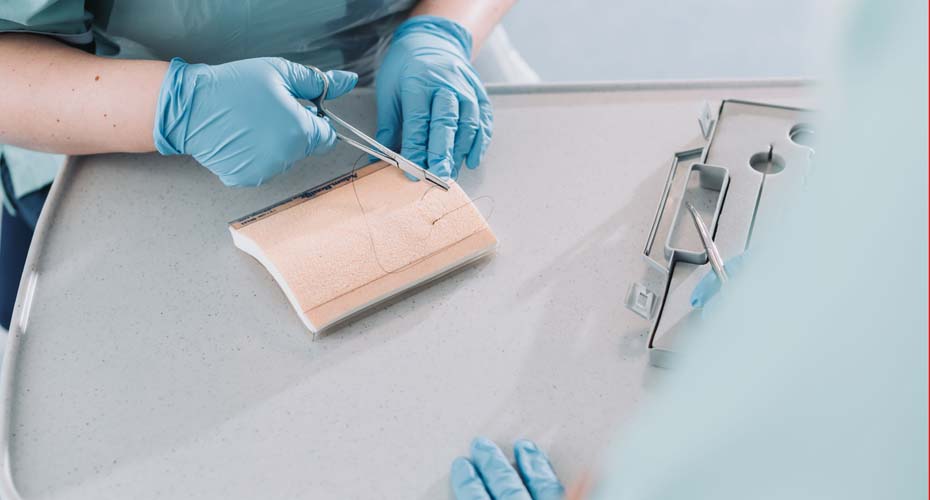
357,243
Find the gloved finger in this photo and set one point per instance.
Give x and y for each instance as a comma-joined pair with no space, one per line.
443,121
536,470
308,84
710,283
415,102
389,123
485,121
340,83
244,176
466,482
501,480
705,289
466,132
321,136
237,180
244,172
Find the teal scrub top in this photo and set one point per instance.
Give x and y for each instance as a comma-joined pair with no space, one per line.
346,34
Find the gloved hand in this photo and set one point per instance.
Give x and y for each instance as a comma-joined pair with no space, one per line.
488,474
242,119
431,102
710,283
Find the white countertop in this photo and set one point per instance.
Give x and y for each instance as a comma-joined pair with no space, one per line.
161,362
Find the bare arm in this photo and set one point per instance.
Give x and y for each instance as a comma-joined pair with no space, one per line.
478,16
59,99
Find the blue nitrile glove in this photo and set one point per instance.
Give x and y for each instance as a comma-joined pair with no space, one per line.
710,283
242,119
489,475
431,103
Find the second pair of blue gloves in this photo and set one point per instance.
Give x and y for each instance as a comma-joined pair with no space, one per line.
487,474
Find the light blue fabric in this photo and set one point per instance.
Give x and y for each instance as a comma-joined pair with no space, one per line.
64,17
242,119
431,103
808,379
330,34
488,474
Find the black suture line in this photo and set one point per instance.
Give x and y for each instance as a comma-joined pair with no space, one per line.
371,240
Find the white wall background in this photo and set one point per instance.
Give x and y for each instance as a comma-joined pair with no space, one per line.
676,39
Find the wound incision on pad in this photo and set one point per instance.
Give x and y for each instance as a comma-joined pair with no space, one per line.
344,246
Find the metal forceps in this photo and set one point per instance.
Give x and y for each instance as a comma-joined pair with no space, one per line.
371,146
713,254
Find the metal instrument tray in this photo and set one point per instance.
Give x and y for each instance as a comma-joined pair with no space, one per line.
767,151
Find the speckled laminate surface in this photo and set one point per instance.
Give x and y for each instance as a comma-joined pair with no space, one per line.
161,362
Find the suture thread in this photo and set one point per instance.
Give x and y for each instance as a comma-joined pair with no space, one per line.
371,239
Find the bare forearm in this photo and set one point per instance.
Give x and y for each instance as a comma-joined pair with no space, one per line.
478,16
59,99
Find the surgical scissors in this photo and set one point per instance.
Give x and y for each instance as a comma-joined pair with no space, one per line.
371,146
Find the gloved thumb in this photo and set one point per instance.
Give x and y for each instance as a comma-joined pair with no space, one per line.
308,84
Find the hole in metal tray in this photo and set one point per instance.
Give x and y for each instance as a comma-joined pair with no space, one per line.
802,134
767,162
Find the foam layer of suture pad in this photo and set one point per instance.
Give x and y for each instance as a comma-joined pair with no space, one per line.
340,248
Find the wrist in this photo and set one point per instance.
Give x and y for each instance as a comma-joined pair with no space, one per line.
441,27
172,109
